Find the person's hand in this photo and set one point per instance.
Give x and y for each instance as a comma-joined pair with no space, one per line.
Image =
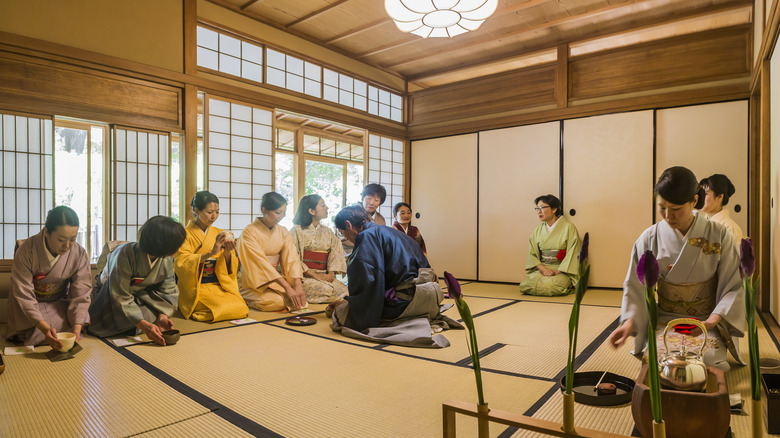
709,324
77,331
164,322
152,331
332,307
228,245
297,297
330,277
51,335
544,270
218,244
556,272
619,336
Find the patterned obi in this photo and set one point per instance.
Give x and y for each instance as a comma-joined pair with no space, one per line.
316,259
45,292
207,272
552,256
694,299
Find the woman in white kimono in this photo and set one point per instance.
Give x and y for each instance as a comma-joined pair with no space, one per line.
717,191
50,283
206,267
270,278
551,266
698,272
136,291
320,251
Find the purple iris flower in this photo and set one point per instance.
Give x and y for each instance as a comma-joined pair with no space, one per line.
747,261
453,287
584,248
647,269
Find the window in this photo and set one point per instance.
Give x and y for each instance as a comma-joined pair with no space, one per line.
79,154
27,161
141,175
240,161
294,74
385,104
227,54
386,167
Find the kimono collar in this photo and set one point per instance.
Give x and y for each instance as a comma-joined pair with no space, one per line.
696,219
551,227
401,226
51,257
719,216
195,227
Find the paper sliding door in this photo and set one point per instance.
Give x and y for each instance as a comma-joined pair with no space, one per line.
608,187
708,139
515,166
444,195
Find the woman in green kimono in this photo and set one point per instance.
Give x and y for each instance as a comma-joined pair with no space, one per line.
551,267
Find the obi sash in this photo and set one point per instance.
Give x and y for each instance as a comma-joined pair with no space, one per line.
694,299
552,256
47,291
316,259
207,272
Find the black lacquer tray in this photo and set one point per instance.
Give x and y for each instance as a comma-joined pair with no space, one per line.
585,382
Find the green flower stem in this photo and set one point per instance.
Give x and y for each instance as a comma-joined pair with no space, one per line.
471,341
750,313
653,380
574,323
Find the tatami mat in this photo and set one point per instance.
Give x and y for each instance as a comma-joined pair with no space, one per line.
97,393
300,386
207,426
594,296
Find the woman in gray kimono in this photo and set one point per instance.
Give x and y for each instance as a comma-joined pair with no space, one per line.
50,283
136,291
698,272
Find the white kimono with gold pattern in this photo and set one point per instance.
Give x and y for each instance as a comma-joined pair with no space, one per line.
707,251
321,239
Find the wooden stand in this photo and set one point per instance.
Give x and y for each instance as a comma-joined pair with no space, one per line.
756,419
453,407
568,412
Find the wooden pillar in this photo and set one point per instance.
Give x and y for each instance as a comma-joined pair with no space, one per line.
562,77
189,153
762,235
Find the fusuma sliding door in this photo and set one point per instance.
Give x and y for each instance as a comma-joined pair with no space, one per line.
608,187
515,166
444,195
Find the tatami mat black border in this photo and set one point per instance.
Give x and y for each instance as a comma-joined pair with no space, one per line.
219,409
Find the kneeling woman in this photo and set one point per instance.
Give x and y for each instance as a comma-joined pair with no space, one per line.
320,251
551,267
50,283
698,272
206,267
271,273
136,291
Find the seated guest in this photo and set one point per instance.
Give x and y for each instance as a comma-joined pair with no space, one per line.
393,294
136,291
698,272
271,273
402,213
50,283
717,191
206,267
373,196
320,251
551,267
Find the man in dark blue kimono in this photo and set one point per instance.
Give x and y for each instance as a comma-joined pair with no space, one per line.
394,296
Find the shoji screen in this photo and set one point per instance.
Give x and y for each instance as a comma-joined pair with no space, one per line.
515,166
240,160
608,182
444,194
141,177
708,139
386,167
27,163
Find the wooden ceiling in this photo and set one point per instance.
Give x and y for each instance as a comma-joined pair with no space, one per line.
518,33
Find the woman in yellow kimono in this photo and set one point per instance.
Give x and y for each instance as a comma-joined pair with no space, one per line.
270,278
206,267
320,251
551,266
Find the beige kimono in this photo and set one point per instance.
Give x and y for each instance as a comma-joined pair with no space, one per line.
319,240
266,255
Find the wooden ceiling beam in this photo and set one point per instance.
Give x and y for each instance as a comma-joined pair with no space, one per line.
249,3
699,13
316,13
358,30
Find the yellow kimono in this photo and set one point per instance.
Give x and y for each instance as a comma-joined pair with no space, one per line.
208,291
266,255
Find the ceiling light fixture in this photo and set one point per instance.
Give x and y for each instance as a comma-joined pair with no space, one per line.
439,18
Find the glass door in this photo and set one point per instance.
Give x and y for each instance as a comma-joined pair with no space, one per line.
327,179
